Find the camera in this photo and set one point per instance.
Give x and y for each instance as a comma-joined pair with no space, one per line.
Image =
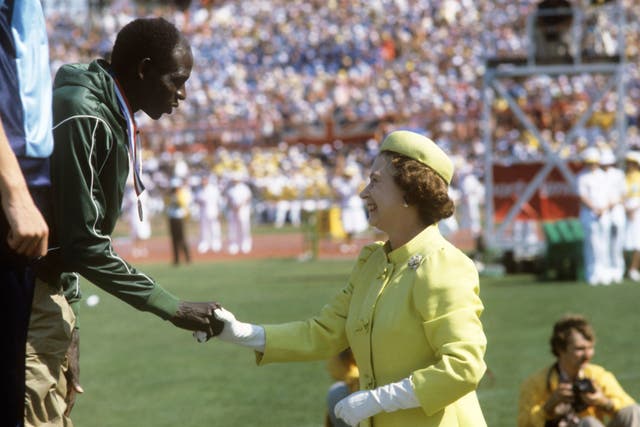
583,385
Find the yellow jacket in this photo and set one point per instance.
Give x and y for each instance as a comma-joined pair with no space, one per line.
632,179
537,389
414,311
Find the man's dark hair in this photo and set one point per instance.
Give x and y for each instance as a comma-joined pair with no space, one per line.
562,331
153,38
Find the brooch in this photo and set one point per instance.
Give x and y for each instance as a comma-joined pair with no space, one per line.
415,261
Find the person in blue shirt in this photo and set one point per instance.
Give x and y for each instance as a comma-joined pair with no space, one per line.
26,143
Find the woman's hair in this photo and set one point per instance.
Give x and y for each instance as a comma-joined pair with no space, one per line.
423,188
153,38
562,331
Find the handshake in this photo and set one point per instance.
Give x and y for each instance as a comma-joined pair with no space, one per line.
209,319
227,328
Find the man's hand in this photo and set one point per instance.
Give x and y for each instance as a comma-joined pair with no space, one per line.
72,374
597,398
198,316
28,231
562,394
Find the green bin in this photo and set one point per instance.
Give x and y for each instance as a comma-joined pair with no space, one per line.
563,258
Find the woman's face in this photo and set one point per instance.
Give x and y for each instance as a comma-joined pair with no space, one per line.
383,197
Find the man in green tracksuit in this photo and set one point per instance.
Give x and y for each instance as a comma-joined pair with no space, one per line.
95,139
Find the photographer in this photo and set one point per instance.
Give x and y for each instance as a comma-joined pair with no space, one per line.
573,392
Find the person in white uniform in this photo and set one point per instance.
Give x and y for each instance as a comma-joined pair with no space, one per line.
347,186
594,217
140,228
283,204
209,201
471,198
239,198
472,193
615,234
632,206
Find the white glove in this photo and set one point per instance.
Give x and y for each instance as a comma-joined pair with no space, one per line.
357,407
236,332
388,398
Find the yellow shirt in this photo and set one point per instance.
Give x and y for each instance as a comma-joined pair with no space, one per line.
537,389
414,311
633,184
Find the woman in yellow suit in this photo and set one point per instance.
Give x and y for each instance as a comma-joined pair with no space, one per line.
410,311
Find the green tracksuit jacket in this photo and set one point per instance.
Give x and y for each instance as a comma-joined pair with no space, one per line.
89,169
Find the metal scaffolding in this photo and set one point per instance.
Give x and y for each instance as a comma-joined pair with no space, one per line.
549,60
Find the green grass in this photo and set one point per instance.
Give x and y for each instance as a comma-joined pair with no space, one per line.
138,370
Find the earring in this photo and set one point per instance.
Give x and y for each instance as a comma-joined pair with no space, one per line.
405,205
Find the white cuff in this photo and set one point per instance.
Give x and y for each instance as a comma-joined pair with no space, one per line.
395,396
245,334
234,331
367,403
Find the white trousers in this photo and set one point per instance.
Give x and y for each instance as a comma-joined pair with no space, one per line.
239,223
210,234
616,240
596,247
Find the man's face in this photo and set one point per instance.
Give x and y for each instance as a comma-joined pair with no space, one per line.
578,353
164,88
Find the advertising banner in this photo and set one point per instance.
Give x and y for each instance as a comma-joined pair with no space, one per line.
554,199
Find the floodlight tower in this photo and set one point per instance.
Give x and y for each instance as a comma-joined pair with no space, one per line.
561,40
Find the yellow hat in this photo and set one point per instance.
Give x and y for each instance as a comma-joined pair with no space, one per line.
420,148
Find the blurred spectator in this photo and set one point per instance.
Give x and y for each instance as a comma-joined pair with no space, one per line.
615,186
594,217
238,201
347,186
344,371
449,226
471,198
177,211
632,206
209,201
140,228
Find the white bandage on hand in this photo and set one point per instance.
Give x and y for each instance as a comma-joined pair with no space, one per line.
388,398
237,332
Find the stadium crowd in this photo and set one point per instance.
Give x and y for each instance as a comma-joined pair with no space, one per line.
268,72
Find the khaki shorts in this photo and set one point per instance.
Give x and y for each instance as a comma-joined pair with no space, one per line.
50,327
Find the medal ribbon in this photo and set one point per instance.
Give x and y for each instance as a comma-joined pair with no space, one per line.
134,143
